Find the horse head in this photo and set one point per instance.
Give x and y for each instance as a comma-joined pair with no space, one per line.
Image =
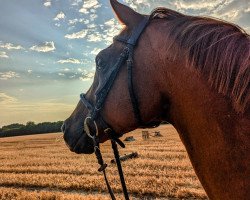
113,81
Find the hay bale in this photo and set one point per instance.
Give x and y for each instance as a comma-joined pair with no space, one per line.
145,135
157,134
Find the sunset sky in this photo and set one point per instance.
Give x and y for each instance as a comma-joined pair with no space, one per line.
47,49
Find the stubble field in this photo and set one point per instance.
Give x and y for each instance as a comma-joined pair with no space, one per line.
42,167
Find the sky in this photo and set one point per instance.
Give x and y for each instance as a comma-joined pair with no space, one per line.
47,49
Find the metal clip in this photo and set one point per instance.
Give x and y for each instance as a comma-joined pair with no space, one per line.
87,129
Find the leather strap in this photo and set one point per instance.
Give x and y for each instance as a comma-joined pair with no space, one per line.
101,95
136,33
133,98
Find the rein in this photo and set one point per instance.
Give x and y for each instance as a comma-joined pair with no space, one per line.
94,110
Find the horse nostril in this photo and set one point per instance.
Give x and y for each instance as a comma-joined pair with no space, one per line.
63,127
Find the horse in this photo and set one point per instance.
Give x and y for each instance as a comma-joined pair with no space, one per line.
193,72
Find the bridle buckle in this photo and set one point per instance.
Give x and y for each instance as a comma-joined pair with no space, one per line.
87,128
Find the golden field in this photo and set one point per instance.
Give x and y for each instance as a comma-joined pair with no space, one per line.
42,167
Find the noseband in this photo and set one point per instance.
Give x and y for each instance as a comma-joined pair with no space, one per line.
94,110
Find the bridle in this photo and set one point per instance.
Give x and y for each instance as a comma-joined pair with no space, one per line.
94,110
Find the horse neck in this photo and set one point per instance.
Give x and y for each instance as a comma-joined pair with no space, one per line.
217,139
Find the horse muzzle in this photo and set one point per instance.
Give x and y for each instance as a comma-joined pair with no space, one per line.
77,140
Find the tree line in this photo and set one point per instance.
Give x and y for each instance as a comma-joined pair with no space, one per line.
30,128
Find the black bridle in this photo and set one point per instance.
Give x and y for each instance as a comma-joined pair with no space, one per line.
94,110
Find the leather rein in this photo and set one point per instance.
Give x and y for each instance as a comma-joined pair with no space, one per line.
94,110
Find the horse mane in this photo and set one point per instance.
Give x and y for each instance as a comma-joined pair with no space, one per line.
218,49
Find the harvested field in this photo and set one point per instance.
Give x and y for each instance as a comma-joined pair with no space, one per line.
42,167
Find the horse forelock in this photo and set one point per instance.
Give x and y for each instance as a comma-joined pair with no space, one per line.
218,49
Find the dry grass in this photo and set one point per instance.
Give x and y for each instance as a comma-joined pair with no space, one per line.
41,167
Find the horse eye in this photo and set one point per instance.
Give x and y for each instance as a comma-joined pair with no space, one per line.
99,64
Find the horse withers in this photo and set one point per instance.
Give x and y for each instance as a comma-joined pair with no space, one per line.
193,72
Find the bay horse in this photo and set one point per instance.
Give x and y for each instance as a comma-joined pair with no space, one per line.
193,72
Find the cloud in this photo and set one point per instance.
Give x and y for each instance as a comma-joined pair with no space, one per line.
244,20
8,75
69,60
47,4
6,99
229,10
140,4
57,24
85,21
196,4
95,32
91,26
95,51
110,22
67,74
111,28
232,10
44,47
77,35
59,16
3,54
66,69
73,21
88,5
94,37
75,2
10,46
92,17
86,76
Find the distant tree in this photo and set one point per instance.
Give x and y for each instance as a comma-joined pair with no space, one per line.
12,126
30,123
30,128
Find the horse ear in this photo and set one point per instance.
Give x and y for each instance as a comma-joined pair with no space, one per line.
125,14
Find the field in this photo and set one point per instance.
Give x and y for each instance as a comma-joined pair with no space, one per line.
42,167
